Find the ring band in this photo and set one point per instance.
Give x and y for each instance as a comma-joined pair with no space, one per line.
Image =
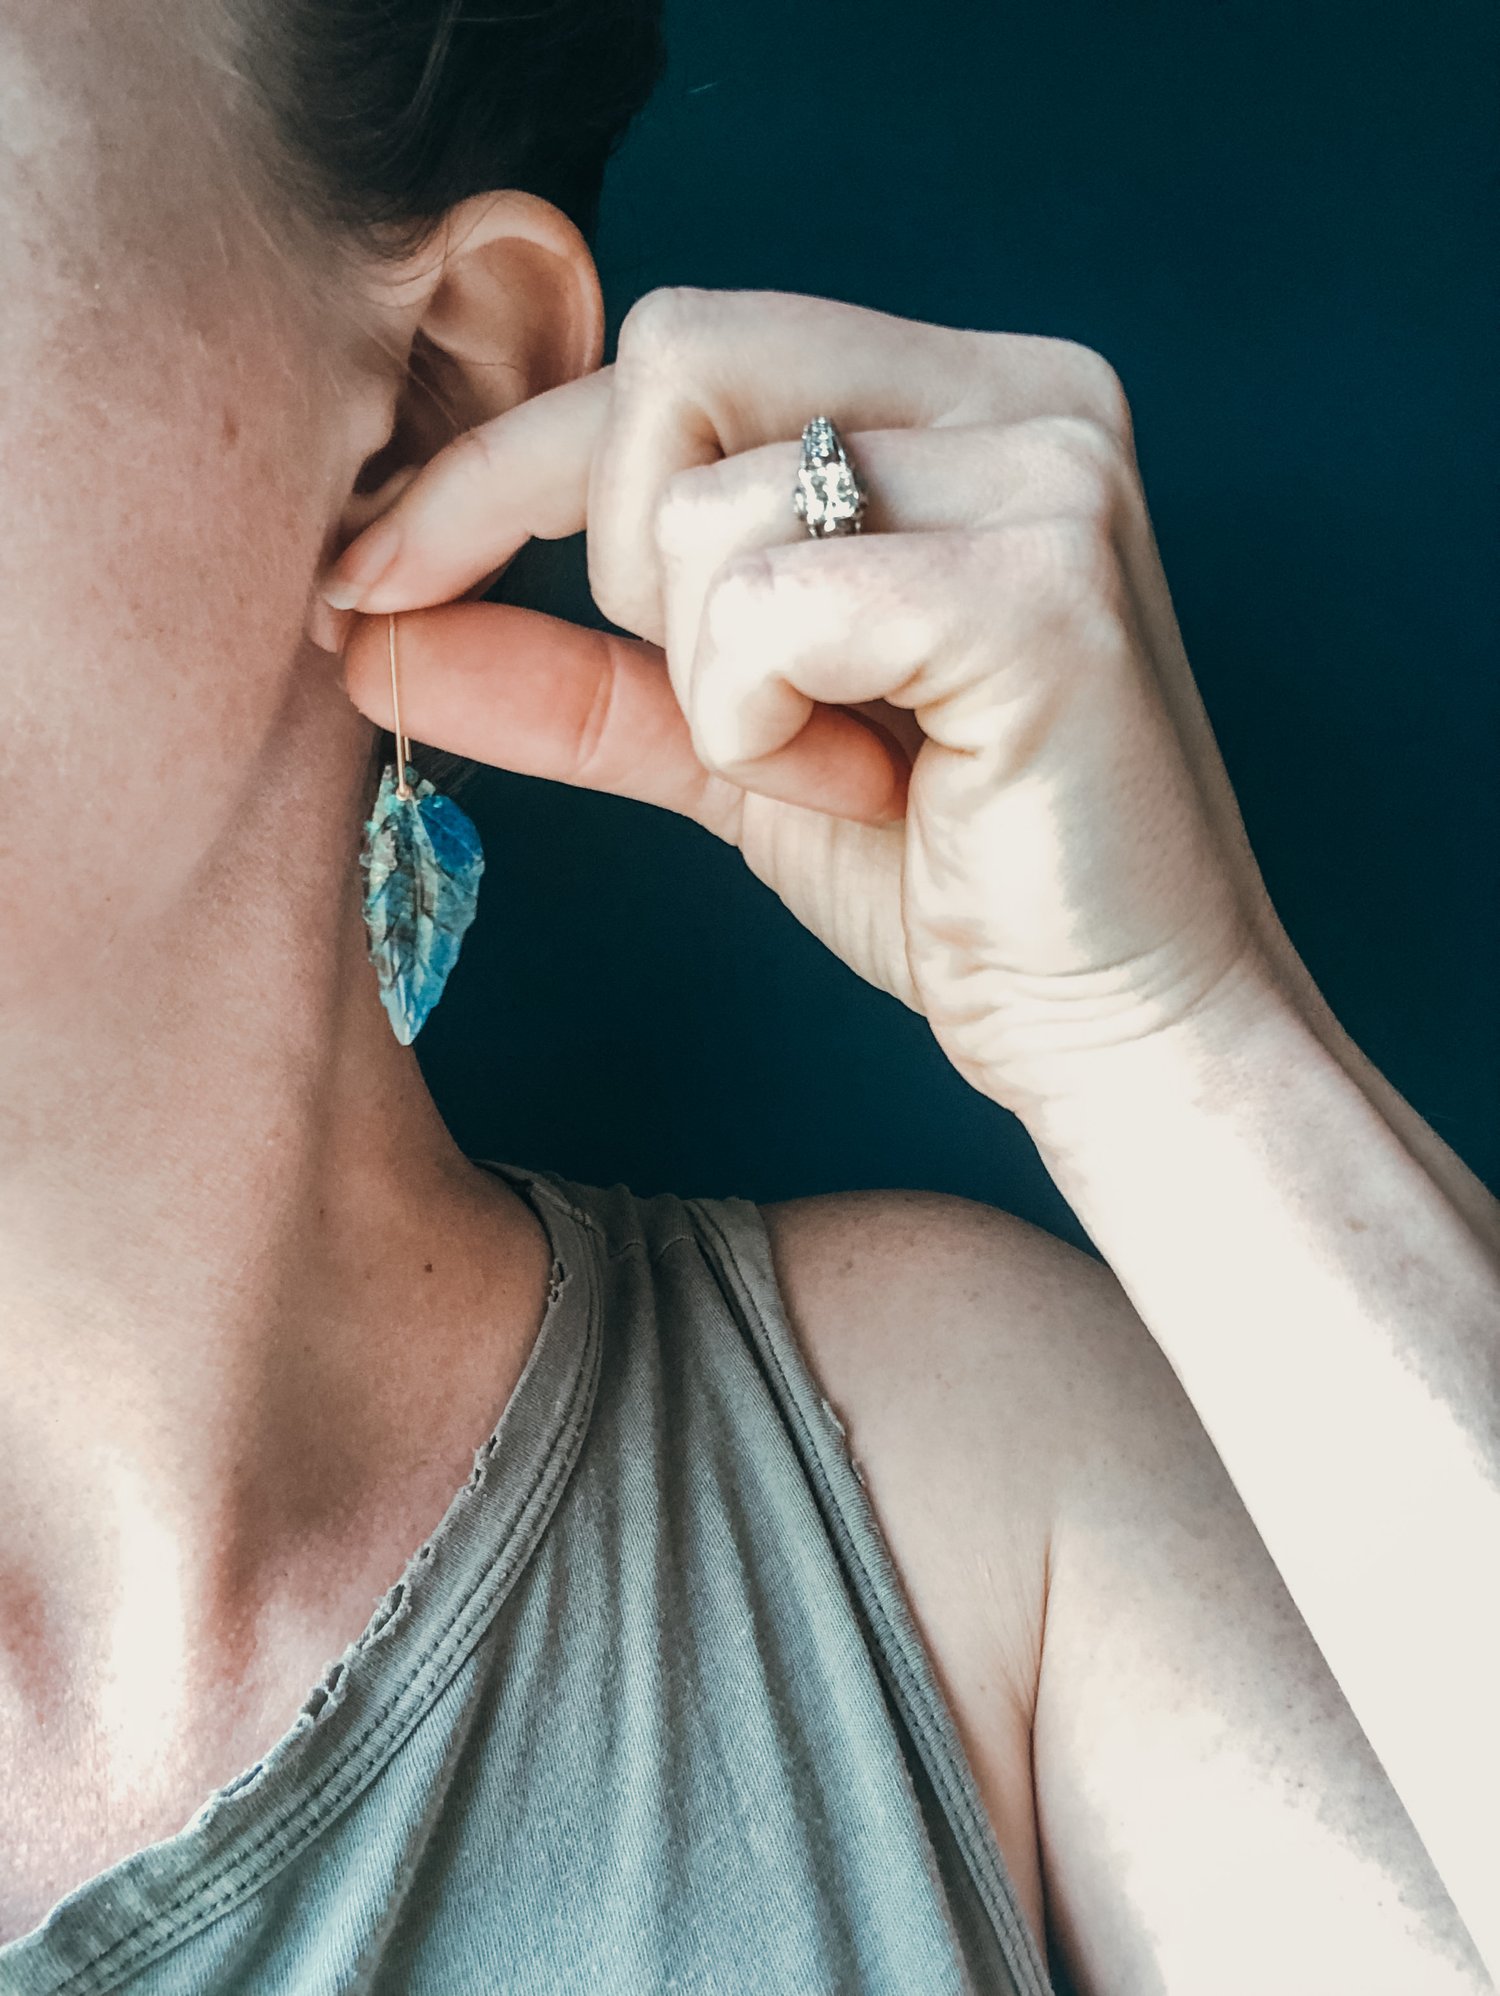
828,498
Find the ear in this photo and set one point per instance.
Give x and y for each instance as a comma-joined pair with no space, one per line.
502,304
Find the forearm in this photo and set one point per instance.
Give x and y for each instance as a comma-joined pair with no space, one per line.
1470,1199
1328,1292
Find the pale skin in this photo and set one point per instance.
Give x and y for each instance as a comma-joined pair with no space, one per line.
1228,1701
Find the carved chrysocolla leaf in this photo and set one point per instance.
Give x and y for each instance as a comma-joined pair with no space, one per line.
421,859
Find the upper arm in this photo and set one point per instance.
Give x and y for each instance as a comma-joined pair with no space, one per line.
1208,1815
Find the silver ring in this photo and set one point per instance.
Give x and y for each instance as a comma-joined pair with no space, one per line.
828,497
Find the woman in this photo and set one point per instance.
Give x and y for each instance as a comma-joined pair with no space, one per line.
846,1594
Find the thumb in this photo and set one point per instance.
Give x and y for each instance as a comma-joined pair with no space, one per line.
520,690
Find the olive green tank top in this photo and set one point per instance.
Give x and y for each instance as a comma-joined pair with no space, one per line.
647,1712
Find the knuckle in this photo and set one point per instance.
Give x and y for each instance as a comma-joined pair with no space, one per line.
659,325
711,743
1067,375
1068,574
476,453
1100,392
1089,460
606,583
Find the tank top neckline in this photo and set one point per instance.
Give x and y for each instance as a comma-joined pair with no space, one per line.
371,1697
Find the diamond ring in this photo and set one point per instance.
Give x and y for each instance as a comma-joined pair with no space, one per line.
828,495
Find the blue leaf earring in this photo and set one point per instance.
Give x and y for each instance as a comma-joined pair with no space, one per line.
421,859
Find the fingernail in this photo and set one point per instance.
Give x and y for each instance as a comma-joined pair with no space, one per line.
362,565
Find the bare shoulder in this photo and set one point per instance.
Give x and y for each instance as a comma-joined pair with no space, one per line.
886,1291
950,1336
1182,1795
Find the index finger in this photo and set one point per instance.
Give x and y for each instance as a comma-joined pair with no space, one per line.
698,375
523,475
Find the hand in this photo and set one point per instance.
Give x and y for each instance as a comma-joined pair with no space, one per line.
965,748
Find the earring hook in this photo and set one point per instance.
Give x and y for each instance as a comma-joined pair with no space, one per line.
403,788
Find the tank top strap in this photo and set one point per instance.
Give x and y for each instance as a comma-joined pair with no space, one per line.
737,1246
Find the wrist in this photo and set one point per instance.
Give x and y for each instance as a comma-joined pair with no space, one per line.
1243,1034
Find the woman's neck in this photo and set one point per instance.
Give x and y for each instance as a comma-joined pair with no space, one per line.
251,1294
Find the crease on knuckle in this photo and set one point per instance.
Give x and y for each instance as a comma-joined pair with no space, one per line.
1068,572
1090,459
593,731
477,454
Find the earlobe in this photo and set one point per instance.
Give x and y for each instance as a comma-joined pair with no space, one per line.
328,628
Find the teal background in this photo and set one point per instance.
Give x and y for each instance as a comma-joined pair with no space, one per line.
1277,222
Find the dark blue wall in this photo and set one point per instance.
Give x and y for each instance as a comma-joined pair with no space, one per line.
1276,221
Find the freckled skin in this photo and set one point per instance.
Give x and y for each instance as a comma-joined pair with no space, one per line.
154,557
254,1308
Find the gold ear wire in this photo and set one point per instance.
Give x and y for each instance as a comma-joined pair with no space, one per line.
403,788
421,870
